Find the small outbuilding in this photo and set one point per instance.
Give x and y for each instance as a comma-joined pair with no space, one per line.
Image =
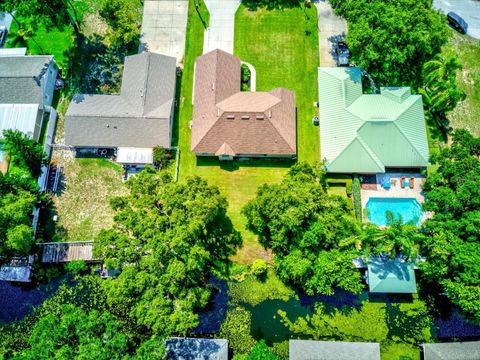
452,351
196,349
391,276
333,350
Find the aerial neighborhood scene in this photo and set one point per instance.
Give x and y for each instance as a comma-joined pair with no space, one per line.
240,179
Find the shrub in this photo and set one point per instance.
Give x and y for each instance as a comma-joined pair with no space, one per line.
161,156
357,198
259,267
76,267
246,74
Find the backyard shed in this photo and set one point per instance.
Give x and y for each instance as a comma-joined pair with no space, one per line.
333,350
196,349
452,351
56,252
391,276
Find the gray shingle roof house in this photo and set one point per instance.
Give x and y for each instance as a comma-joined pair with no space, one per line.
196,349
228,122
26,83
452,351
140,117
333,350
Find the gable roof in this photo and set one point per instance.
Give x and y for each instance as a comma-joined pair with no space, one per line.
391,276
333,350
469,350
196,349
17,82
249,122
364,133
138,117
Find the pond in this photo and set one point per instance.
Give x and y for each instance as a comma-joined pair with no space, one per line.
17,301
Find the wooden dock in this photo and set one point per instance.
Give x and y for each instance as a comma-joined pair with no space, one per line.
60,252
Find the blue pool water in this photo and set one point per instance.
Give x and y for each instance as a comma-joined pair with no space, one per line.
1,153
408,208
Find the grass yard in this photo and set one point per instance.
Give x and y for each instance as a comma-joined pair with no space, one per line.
467,113
83,206
283,55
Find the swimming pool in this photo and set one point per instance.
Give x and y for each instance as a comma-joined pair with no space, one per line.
408,208
1,153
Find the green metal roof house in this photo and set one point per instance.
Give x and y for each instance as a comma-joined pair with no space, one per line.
365,133
452,351
391,276
332,350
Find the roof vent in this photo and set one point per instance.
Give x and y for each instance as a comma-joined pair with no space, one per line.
270,113
245,117
231,117
213,86
260,117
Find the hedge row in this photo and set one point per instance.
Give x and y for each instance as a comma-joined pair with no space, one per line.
357,198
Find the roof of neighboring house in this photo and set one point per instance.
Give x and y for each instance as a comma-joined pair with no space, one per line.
228,121
138,117
17,82
21,117
391,276
196,349
333,350
364,133
452,351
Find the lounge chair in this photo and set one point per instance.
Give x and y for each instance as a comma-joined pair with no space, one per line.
412,183
402,182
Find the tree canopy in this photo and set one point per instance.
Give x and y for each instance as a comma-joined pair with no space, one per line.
19,193
304,227
452,235
168,240
391,40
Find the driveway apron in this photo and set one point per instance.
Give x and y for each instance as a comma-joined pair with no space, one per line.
164,28
219,34
331,28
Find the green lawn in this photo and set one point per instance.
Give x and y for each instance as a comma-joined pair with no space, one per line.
283,55
83,206
467,113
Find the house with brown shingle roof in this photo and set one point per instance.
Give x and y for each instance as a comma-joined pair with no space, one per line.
230,123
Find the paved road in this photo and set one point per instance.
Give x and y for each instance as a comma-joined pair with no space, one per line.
164,27
469,10
219,34
331,28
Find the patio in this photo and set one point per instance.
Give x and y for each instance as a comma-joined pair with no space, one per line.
389,185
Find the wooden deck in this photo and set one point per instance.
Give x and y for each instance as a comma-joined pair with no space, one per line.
59,252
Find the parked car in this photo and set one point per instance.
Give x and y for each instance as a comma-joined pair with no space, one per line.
3,35
342,54
457,22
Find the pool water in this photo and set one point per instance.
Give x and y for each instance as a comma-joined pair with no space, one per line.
407,208
1,153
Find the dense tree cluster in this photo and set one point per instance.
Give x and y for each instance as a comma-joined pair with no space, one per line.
168,240
304,227
391,40
452,241
19,193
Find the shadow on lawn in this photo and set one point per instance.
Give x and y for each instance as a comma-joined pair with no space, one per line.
271,4
237,164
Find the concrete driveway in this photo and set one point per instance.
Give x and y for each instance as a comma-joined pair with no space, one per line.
331,28
469,10
164,27
219,34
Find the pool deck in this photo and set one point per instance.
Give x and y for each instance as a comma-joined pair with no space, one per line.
378,191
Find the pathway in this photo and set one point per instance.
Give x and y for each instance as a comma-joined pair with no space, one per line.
219,34
331,28
164,28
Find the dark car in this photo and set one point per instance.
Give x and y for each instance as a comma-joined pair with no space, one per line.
457,22
342,54
3,35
